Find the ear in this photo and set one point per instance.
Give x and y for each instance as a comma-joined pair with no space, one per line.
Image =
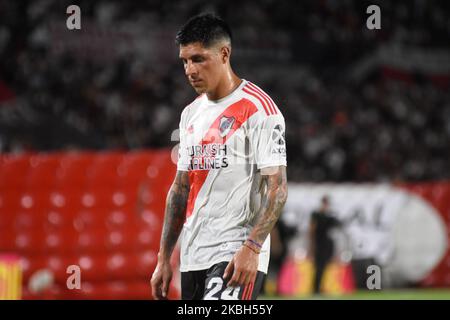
225,53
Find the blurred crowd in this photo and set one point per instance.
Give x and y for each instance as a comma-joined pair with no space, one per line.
117,83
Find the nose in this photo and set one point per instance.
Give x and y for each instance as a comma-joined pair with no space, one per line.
189,69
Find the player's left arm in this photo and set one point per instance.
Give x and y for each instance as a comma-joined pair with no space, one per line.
244,265
273,201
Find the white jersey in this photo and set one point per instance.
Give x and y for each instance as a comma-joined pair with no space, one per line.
223,145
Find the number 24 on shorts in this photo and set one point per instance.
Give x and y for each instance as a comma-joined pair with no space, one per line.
215,286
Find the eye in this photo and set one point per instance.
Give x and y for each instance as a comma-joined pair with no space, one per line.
198,59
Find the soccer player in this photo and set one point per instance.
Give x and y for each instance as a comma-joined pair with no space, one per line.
230,186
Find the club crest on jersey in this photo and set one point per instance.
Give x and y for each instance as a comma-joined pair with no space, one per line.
225,125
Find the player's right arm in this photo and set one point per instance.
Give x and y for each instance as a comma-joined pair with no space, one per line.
175,214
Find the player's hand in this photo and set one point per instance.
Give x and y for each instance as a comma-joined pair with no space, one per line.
242,268
161,279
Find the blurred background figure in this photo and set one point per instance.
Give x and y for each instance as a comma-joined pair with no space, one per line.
280,238
321,243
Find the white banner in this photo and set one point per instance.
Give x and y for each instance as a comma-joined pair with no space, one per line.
402,232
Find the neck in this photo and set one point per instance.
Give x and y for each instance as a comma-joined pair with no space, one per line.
229,82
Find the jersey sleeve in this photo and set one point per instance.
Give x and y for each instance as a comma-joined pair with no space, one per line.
183,153
269,142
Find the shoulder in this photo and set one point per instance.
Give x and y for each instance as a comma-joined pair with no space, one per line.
191,106
265,104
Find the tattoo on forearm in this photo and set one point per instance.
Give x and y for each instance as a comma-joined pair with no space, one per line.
273,201
175,213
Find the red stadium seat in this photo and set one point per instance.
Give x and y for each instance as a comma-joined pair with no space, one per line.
123,239
57,264
93,267
7,240
13,171
10,200
74,169
25,220
125,198
122,218
62,241
31,263
147,239
91,241
102,291
88,290
30,241
441,197
104,170
100,198
10,205
63,198
89,219
117,219
136,167
32,209
42,173
55,219
120,266
141,290
146,262
152,220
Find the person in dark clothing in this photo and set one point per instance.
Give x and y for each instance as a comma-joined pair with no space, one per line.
321,244
281,235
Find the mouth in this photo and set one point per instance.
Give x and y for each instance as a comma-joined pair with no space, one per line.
196,83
